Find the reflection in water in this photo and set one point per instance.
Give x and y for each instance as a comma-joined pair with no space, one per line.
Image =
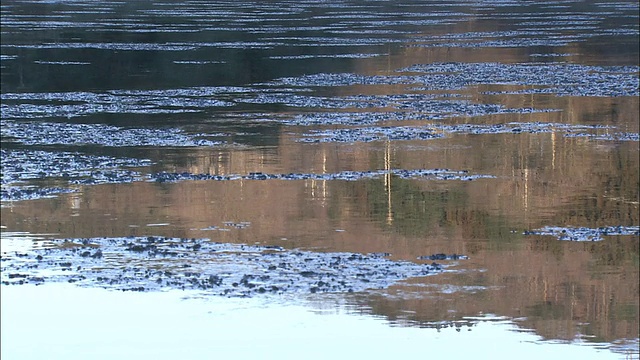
331,121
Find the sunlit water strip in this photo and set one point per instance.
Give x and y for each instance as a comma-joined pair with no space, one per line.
60,321
19,241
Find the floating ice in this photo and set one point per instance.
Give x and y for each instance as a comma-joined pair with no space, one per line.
585,233
159,263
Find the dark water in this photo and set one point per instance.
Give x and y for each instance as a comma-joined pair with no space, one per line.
506,131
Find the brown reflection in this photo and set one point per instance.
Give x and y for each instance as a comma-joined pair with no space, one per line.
559,289
562,290
542,179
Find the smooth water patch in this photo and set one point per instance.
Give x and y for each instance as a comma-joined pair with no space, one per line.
20,241
132,325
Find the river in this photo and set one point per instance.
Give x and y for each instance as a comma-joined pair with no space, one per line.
306,179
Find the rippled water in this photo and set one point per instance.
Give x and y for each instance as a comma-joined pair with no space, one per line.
393,133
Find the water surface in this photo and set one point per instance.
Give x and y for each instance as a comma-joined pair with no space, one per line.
504,131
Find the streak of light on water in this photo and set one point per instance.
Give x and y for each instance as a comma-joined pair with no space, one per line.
20,241
96,323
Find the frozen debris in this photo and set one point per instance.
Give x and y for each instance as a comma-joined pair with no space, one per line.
158,263
585,233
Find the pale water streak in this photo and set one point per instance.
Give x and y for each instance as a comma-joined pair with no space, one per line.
176,324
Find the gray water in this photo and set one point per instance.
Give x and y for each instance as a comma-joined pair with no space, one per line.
382,134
